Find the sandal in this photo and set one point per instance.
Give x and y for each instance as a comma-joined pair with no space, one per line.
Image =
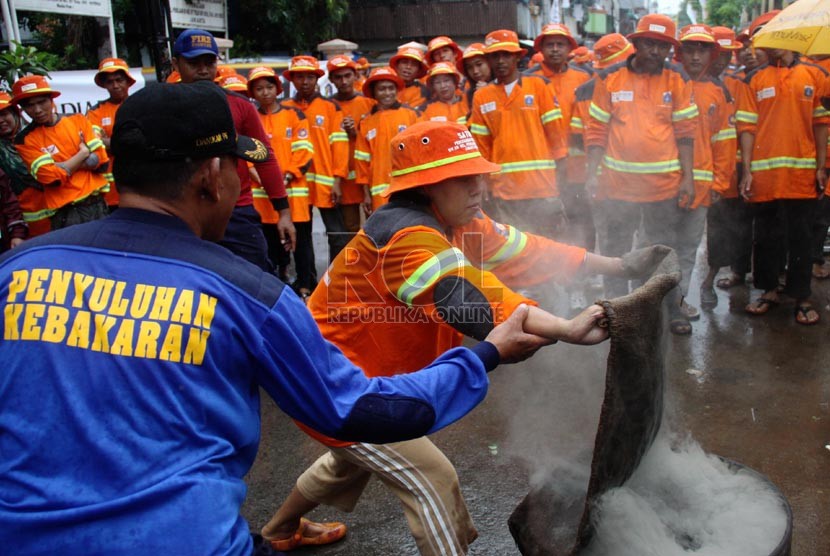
692,312
708,297
680,326
334,531
730,282
802,314
761,306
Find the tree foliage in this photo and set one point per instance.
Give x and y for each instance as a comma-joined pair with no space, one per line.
728,12
24,60
298,24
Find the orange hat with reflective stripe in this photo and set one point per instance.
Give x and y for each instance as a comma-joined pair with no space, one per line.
263,72
743,36
656,26
537,58
223,71
303,64
726,38
503,40
582,55
32,86
698,32
235,83
611,49
111,65
554,30
381,74
430,152
441,42
761,20
475,49
362,63
5,100
443,68
412,53
174,77
341,62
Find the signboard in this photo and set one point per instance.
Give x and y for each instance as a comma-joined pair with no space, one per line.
95,8
79,91
198,14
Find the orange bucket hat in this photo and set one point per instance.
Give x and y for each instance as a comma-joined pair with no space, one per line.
413,53
223,71
554,30
443,68
32,86
303,64
111,65
381,74
5,101
362,63
235,83
503,40
611,49
174,77
582,55
429,152
656,26
341,62
263,72
761,20
441,42
475,49
726,38
698,32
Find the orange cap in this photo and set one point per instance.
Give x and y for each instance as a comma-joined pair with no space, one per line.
612,49
174,77
111,65
761,20
263,72
223,71
414,54
443,68
381,74
430,152
32,86
554,30
341,62
303,64
698,32
503,40
441,42
726,39
656,26
235,83
475,49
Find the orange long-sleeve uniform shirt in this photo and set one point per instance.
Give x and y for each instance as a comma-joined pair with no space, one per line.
824,64
288,132
372,154
330,143
713,163
415,95
780,106
43,147
524,132
727,144
357,107
637,118
399,278
438,111
564,85
102,118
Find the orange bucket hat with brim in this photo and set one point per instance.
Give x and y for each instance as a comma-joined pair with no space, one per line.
303,64
441,42
236,83
503,40
112,65
698,32
611,49
475,49
341,62
32,86
263,72
362,63
726,39
430,152
412,53
761,20
6,101
385,73
554,30
443,68
656,26
222,72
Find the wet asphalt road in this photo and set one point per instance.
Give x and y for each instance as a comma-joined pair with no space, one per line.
753,389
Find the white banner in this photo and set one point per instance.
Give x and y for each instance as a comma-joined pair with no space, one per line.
95,8
198,14
79,91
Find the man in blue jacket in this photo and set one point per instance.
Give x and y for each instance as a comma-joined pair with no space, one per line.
133,351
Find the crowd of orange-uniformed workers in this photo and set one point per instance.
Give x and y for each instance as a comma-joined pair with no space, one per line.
646,139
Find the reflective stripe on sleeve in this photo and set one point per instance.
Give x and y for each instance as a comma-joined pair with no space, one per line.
38,215
297,191
527,166
362,156
599,114
685,114
302,145
39,163
430,272
703,175
576,123
662,167
323,180
820,112
478,129
783,162
378,189
551,115
746,117
338,137
725,135
514,245
95,144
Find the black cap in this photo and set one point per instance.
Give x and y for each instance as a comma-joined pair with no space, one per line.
168,121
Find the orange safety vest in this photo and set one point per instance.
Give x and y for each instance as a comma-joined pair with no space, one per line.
42,147
382,286
287,130
524,132
331,146
372,154
710,171
357,107
102,118
438,111
780,106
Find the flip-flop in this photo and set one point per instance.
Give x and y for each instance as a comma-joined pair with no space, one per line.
708,297
334,531
803,311
729,282
762,305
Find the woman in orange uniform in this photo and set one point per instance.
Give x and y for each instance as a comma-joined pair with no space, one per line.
446,105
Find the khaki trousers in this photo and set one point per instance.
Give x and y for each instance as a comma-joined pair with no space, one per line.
416,471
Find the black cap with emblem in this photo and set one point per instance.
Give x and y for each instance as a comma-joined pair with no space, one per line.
180,121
